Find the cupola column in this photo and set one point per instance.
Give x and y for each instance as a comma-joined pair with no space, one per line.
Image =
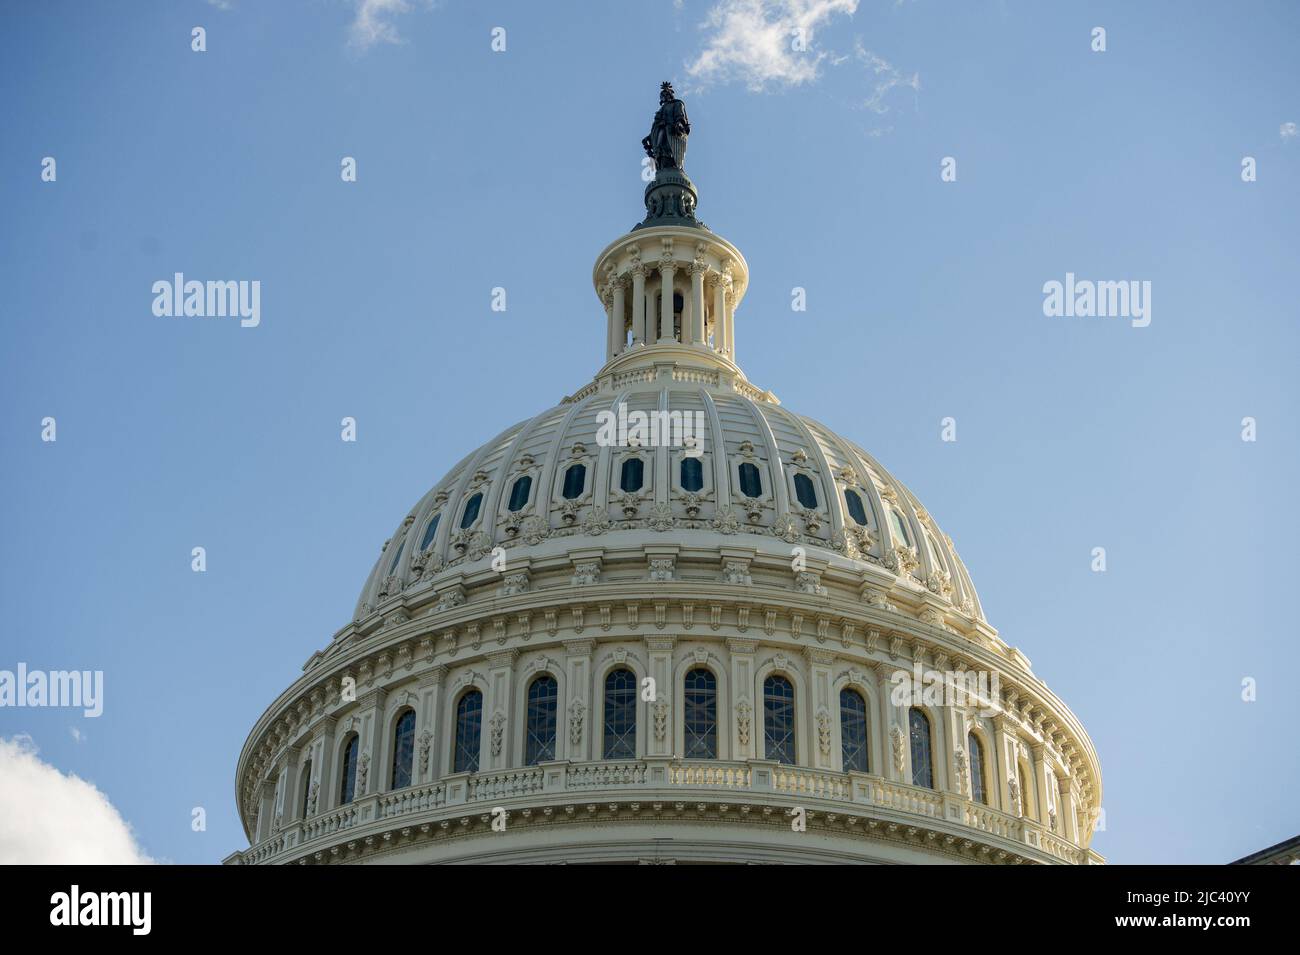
720,315
667,269
618,324
698,268
638,304
609,323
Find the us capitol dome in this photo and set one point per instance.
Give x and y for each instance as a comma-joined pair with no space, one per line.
667,621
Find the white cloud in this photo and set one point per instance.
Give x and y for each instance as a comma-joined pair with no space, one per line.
753,41
1288,131
49,818
77,735
373,22
222,4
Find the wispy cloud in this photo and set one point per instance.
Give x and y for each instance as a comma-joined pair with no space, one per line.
1288,131
374,22
49,818
764,43
885,78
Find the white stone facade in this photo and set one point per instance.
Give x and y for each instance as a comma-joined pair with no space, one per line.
583,577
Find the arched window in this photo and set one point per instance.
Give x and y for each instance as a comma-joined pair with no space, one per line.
778,719
397,554
471,511
976,749
429,532
804,491
620,715
306,788
900,527
519,493
922,770
539,737
700,714
469,730
574,480
751,484
348,788
403,750
856,510
692,474
853,731
633,475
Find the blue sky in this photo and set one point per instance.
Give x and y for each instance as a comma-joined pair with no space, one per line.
479,169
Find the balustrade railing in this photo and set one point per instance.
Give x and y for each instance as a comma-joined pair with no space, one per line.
704,774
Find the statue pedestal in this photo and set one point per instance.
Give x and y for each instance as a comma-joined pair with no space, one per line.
670,200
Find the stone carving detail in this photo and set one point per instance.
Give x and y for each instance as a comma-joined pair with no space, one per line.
1013,790
900,757
629,503
396,618
597,522
753,507
808,582
363,772
498,729
726,521
786,528
661,720
426,740
692,502
514,584
939,582
901,560
824,732
744,715
931,616
534,529
451,598
392,585
661,568
577,710
812,520
585,573
737,572
313,792
959,759
661,517
876,598
433,565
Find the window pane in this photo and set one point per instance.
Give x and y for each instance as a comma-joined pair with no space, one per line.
471,511
803,490
519,493
922,772
633,475
692,474
976,769
469,727
397,553
574,478
429,533
751,485
349,788
900,528
539,740
403,750
700,715
853,731
620,715
778,719
856,510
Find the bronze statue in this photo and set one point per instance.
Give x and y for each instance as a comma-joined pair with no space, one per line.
666,144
